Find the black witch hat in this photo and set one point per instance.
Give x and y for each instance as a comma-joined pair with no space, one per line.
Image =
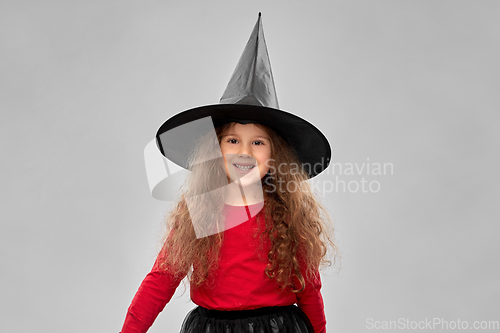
250,97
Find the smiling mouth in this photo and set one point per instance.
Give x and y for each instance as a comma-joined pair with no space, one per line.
244,167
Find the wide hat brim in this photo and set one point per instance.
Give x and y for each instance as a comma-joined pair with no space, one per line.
309,143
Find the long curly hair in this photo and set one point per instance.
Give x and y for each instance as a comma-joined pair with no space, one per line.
297,225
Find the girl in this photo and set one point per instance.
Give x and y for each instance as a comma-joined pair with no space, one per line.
246,230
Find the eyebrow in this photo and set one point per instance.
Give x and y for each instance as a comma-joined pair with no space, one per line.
257,137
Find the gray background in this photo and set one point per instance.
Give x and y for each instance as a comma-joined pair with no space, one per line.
85,84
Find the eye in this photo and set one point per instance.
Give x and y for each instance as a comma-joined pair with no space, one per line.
232,140
259,143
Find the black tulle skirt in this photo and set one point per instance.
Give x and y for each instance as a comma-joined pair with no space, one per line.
274,319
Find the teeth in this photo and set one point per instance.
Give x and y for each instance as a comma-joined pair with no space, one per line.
242,167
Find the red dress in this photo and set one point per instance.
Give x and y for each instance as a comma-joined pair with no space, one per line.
239,283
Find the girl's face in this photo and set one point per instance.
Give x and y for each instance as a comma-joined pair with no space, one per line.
246,149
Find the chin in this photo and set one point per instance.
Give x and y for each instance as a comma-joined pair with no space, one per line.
246,183
247,180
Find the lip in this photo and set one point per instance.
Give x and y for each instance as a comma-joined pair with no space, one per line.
244,164
242,171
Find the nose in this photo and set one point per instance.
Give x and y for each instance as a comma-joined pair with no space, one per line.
244,150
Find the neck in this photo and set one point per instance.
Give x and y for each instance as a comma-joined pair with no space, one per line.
237,195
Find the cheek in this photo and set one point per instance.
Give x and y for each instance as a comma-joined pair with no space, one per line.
224,162
265,161
223,150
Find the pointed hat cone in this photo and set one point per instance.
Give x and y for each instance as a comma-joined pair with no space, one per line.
252,81
250,97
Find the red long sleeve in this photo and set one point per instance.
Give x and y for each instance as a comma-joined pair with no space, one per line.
311,302
239,283
154,293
